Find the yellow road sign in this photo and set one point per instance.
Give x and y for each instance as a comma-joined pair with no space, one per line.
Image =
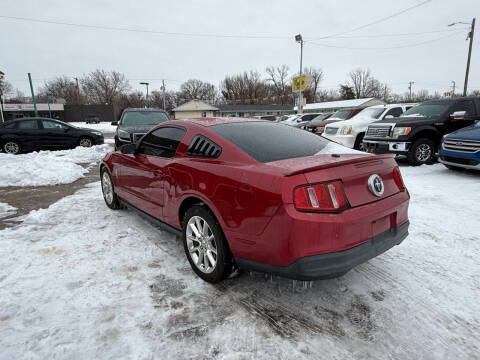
299,83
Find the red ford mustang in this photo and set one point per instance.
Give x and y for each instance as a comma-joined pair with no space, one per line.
260,195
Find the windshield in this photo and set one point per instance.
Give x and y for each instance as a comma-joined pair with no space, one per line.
372,113
426,110
143,118
341,114
267,142
320,118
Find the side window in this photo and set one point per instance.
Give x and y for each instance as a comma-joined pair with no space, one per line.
11,125
162,142
28,124
466,105
52,125
395,112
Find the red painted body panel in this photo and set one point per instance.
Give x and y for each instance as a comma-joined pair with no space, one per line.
253,201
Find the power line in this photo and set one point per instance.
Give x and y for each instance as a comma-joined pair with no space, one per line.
101,27
377,21
386,48
390,35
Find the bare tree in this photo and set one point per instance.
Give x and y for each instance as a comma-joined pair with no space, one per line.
279,79
363,83
246,88
6,88
316,77
197,89
62,87
102,87
171,102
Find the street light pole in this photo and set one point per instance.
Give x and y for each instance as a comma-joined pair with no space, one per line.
1,96
146,84
299,39
470,36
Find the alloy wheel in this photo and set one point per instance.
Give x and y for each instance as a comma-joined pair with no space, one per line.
107,188
11,147
201,244
85,142
423,152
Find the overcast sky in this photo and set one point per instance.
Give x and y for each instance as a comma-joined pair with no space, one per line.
48,50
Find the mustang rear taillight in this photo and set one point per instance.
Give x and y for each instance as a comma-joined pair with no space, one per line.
397,176
320,197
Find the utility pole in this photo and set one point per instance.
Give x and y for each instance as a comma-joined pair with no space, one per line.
163,89
78,90
470,35
453,89
33,94
410,89
146,98
299,39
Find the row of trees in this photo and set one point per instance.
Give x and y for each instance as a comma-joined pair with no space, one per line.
249,87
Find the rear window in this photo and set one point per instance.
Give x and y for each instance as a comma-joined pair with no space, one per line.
143,118
267,142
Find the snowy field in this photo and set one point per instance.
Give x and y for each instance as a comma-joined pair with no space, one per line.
103,126
49,167
80,281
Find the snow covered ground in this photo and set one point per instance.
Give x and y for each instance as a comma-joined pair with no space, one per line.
103,126
48,167
6,210
78,280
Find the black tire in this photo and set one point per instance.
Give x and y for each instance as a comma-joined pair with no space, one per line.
85,141
11,147
113,202
224,264
359,142
421,152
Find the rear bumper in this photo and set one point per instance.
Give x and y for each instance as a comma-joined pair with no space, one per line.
334,264
99,140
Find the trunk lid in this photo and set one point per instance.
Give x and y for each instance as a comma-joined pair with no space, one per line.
353,170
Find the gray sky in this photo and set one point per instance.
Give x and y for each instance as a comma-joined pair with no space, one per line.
48,50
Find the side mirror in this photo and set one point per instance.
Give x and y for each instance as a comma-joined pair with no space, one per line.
458,115
128,149
389,117
114,123
67,129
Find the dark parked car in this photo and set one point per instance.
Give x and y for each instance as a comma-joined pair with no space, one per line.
135,122
266,117
461,148
417,133
316,124
282,204
92,119
29,134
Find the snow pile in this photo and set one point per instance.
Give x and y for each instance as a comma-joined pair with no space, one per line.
78,280
6,210
48,167
103,126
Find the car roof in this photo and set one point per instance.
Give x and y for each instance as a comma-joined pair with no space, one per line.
211,121
388,106
143,110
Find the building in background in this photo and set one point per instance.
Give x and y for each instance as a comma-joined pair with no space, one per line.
255,110
195,109
15,111
331,106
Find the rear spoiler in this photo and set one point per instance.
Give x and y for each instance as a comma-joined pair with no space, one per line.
369,161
